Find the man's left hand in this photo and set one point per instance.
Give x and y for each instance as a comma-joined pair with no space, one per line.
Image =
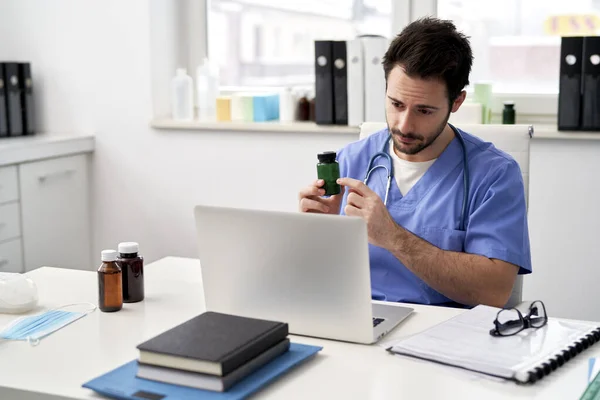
365,203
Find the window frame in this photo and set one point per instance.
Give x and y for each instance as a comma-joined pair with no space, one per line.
530,106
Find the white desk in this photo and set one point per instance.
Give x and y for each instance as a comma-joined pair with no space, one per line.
102,341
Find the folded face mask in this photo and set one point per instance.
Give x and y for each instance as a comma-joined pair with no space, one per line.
36,327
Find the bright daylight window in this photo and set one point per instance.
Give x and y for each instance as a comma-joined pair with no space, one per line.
516,43
271,42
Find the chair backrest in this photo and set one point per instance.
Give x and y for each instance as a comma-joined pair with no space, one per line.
512,139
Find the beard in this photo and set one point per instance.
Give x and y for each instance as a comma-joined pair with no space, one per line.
419,143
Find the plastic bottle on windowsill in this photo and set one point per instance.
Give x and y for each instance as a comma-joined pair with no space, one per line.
182,96
207,90
287,105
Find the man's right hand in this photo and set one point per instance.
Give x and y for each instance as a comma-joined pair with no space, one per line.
311,201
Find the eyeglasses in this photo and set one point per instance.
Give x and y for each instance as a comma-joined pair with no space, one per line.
511,321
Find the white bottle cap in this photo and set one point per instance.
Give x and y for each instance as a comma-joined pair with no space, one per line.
109,255
128,247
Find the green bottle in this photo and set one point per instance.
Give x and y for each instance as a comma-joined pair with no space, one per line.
508,113
329,170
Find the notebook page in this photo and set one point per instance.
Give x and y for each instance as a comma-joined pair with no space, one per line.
465,341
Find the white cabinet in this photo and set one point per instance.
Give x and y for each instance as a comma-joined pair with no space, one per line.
45,202
11,250
56,220
10,223
9,187
11,256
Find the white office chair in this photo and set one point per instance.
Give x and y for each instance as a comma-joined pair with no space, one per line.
512,139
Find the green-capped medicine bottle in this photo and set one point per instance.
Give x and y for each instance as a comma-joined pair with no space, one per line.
328,169
508,113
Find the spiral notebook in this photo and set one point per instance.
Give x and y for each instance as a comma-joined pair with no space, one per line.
464,341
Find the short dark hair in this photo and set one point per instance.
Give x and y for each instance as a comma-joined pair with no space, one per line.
432,48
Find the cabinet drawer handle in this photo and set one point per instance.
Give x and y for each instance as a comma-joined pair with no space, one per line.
66,172
3,262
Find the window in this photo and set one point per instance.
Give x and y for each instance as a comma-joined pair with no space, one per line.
516,43
271,42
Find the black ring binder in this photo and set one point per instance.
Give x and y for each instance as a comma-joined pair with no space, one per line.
573,351
591,339
561,358
546,368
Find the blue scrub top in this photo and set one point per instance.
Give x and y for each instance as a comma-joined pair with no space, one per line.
496,223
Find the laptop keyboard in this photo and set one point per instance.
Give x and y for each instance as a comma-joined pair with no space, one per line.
377,321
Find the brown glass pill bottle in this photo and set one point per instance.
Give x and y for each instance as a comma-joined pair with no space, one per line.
311,108
303,108
132,267
110,284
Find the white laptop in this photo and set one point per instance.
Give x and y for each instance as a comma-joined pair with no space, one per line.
309,270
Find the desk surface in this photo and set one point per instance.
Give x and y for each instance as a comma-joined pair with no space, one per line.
57,367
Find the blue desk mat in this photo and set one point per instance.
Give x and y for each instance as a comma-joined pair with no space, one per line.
121,383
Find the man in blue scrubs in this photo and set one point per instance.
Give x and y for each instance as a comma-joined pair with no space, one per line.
419,252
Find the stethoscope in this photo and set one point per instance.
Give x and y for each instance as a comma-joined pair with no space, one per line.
390,171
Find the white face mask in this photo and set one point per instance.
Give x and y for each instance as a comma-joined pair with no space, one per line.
33,328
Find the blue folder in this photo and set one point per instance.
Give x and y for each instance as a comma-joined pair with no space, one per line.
121,383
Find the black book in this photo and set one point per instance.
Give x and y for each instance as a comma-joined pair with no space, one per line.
211,382
26,82
324,97
3,107
340,83
569,95
13,99
212,343
590,80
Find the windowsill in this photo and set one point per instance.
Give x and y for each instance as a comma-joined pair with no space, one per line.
551,132
275,126
541,131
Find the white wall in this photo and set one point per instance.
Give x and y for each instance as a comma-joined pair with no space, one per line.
91,66
564,222
61,41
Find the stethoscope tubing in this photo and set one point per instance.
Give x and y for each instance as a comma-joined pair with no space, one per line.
390,171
